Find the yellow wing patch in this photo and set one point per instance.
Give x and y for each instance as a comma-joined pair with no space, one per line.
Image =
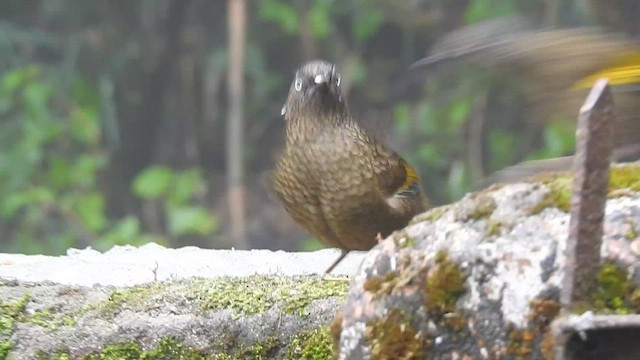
411,177
624,70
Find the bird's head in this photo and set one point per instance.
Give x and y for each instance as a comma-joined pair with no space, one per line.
315,90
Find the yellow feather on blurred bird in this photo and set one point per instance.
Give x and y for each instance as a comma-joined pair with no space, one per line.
556,67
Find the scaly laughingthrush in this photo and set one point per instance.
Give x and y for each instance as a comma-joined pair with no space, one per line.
336,180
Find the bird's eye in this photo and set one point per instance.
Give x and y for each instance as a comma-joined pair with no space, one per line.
298,84
338,78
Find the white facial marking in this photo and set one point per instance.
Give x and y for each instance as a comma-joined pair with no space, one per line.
298,84
338,79
283,111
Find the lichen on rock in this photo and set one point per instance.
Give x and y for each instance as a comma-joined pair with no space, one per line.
497,292
259,317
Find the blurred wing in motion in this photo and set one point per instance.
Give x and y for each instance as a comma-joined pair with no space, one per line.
555,67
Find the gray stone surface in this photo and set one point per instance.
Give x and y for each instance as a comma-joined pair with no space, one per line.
219,302
510,256
215,318
84,302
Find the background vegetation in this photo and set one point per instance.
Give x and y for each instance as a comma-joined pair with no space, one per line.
113,113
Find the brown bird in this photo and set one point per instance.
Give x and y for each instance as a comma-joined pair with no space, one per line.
334,179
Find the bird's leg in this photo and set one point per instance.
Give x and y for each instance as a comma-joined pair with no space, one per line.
338,260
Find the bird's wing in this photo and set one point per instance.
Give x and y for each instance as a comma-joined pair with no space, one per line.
396,177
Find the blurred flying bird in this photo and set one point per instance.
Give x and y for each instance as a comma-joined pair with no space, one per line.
555,67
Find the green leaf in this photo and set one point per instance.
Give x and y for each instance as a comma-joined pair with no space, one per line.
84,125
85,168
153,182
502,145
280,13
90,209
430,153
319,19
186,184
459,113
480,10
59,172
559,138
367,23
37,94
191,221
427,119
125,231
311,244
402,115
17,78
359,73
17,200
86,94
458,181
129,227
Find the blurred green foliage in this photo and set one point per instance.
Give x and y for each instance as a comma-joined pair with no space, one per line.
50,164
176,191
112,114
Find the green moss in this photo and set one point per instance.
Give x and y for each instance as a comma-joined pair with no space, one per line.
5,347
252,295
403,240
543,312
314,344
381,284
121,351
127,298
632,234
559,194
624,177
263,350
520,343
615,292
222,357
10,314
393,337
61,355
168,348
548,345
454,321
560,185
10,311
50,318
535,339
493,227
445,284
431,215
484,207
245,296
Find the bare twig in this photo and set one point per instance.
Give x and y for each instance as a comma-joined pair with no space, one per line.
235,171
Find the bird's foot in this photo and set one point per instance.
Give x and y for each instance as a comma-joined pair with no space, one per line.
338,260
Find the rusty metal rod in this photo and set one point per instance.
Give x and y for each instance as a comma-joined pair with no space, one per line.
589,195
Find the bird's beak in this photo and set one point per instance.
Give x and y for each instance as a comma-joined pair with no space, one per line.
320,79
